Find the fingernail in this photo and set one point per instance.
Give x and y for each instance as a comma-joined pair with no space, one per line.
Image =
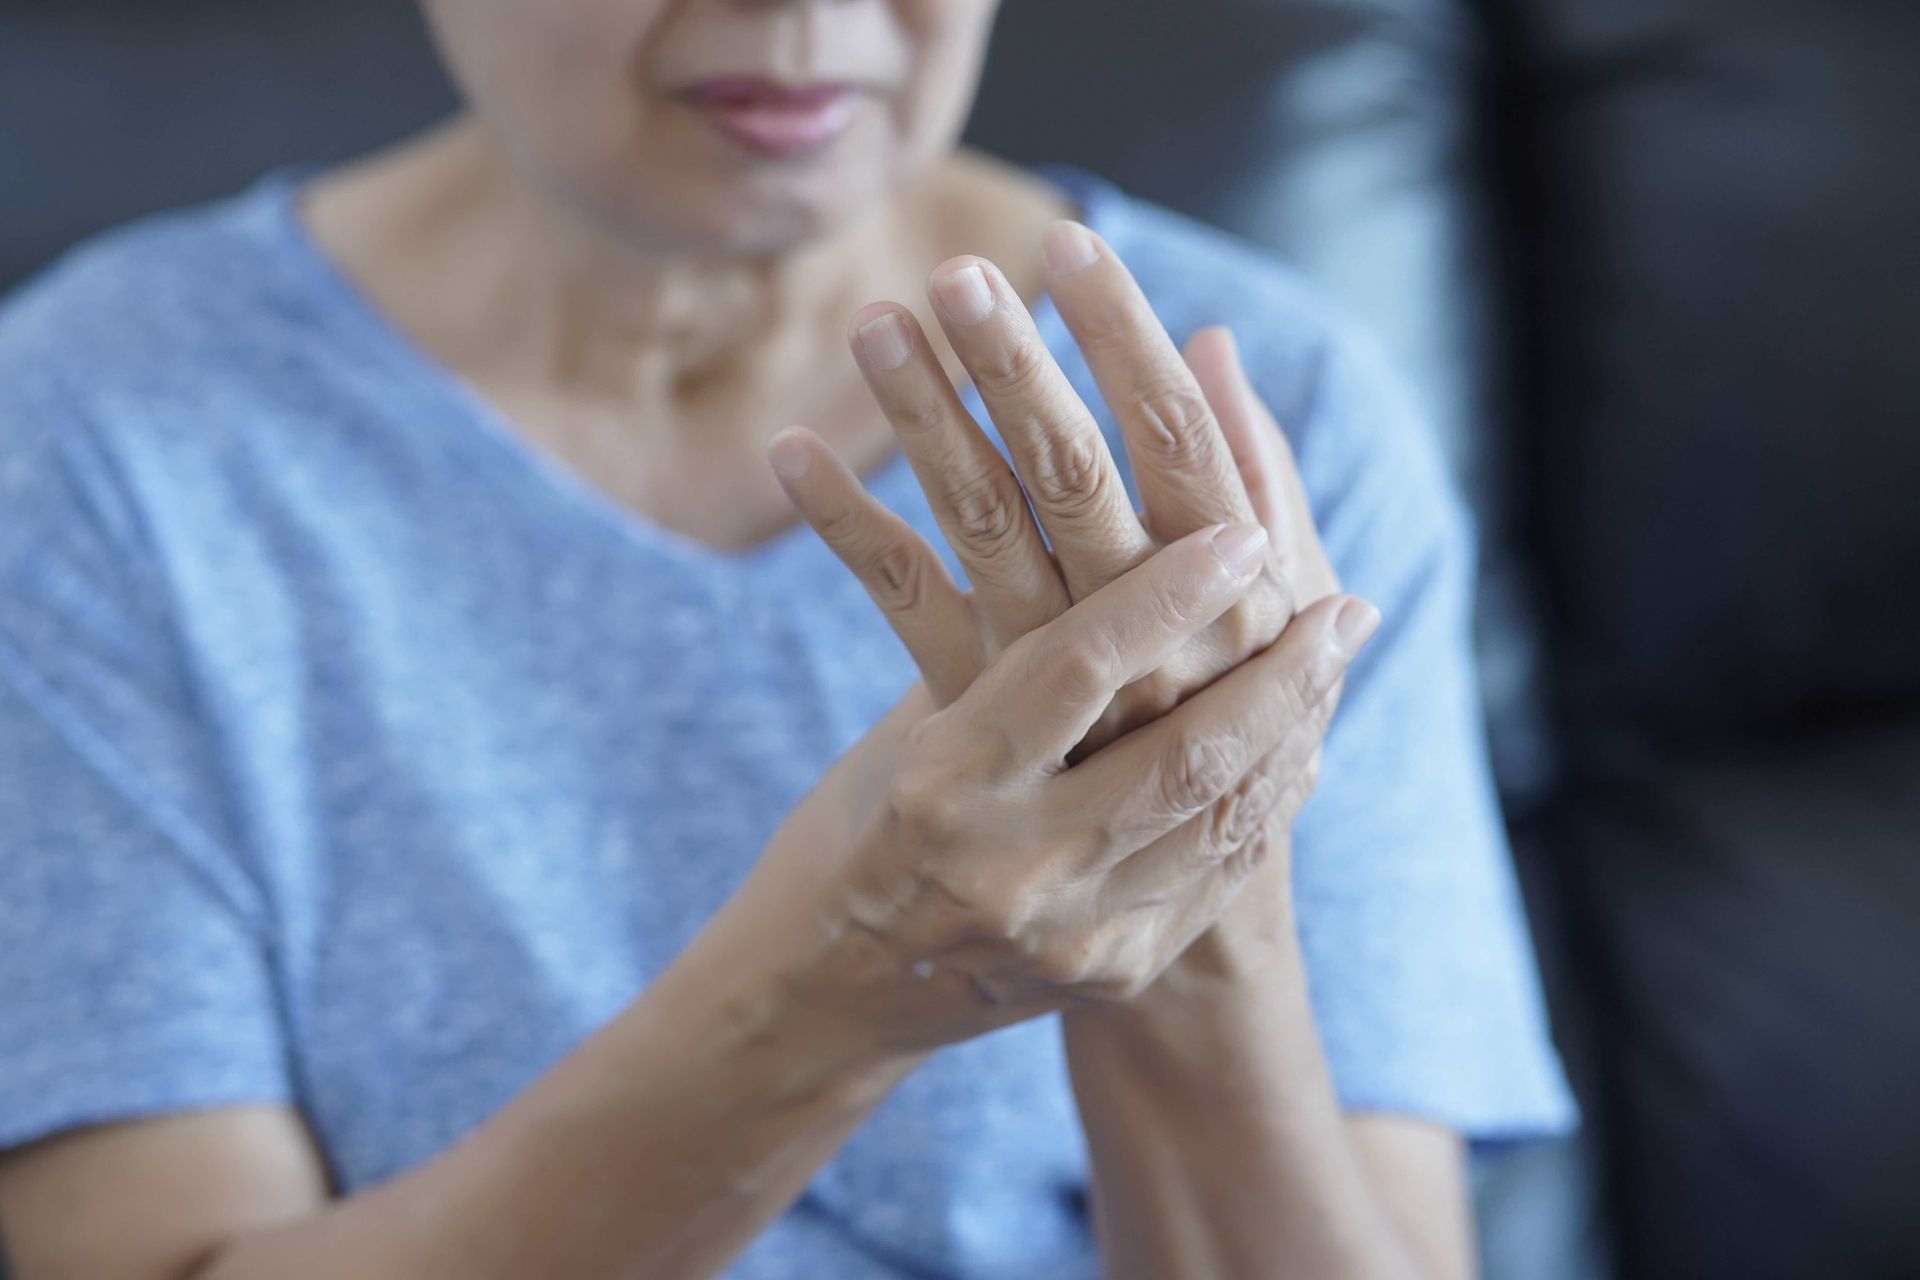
885,342
1354,625
1240,547
789,455
1069,248
965,295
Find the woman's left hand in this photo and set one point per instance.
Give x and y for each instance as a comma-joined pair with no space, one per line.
1204,451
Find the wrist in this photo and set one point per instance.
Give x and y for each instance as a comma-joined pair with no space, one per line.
1250,954
1230,989
784,976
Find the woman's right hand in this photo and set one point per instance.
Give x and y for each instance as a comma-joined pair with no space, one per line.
977,879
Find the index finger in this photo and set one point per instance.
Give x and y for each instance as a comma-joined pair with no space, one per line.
1181,462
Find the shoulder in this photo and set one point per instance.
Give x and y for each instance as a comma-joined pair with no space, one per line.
136,312
134,342
161,355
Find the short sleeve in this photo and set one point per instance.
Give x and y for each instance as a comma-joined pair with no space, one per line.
1418,954
135,975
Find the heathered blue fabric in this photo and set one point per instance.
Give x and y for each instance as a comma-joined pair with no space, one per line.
355,756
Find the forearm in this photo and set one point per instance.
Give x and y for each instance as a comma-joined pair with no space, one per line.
1219,1148
661,1147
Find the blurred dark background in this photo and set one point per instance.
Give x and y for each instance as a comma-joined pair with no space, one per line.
1654,266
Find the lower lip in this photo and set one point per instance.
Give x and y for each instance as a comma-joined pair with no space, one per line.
782,127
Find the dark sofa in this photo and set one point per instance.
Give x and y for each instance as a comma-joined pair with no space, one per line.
1655,265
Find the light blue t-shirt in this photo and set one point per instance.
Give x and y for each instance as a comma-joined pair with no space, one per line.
356,756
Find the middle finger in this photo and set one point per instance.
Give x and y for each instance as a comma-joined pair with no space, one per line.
1181,461
1056,444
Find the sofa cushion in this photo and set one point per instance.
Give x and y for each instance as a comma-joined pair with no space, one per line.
1723,327
1752,911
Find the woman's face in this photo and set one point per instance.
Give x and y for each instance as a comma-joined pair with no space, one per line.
724,126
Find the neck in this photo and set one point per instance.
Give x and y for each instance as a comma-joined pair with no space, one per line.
514,289
646,371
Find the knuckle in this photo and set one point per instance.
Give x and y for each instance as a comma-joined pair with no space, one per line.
915,803
922,738
1199,771
1078,667
931,751
844,529
1242,813
1166,688
1003,913
1293,802
897,577
1104,840
1010,367
924,798
1068,471
977,908
986,515
1071,964
1242,862
1175,417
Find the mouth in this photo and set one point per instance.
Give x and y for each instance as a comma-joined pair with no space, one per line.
782,121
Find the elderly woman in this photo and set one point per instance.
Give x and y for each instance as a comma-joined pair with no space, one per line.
456,821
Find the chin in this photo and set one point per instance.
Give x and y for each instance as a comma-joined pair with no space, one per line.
771,215
716,200
764,215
